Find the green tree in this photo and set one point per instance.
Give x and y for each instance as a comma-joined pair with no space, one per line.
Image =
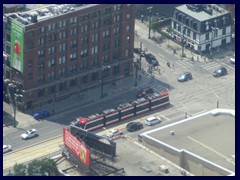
44,167
34,168
49,166
19,170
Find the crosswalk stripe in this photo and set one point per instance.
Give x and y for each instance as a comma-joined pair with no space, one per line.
183,63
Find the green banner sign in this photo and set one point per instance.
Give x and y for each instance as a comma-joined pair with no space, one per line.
17,40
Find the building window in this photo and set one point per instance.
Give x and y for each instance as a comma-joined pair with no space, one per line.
95,62
30,76
94,37
116,31
106,33
207,26
73,43
51,90
84,79
117,43
51,75
117,7
64,23
207,36
40,92
224,31
62,60
116,70
128,28
105,59
73,56
40,53
194,35
62,86
105,47
62,72
73,82
51,63
95,50
115,55
84,53
94,76
126,53
41,78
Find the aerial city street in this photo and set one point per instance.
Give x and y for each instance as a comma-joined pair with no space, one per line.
119,89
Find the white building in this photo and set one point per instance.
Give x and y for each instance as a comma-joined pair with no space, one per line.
202,27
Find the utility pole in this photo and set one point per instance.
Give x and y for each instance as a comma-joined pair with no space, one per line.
140,60
150,19
103,68
14,109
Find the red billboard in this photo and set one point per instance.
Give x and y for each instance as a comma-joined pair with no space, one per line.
76,146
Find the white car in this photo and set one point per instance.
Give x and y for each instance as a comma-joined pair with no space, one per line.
114,132
232,60
152,121
29,134
7,148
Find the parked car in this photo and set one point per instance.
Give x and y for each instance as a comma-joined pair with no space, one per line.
220,72
185,77
232,60
152,121
7,148
134,126
114,132
31,133
41,115
143,92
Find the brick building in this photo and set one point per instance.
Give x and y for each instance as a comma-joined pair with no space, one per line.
59,50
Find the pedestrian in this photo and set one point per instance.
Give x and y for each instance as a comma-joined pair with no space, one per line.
197,58
192,58
168,64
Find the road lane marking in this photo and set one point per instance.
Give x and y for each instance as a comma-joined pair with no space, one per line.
165,118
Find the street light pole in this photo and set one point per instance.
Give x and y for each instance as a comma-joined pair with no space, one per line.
183,41
14,109
101,83
102,70
150,18
140,60
136,74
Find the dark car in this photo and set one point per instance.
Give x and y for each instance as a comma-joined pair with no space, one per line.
41,115
220,72
134,126
144,92
137,50
150,57
185,77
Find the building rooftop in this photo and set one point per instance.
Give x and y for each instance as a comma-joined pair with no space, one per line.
36,13
208,136
204,13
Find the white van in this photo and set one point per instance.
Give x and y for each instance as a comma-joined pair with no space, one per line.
152,121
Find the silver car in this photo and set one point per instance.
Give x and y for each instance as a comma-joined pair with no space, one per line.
7,148
29,134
